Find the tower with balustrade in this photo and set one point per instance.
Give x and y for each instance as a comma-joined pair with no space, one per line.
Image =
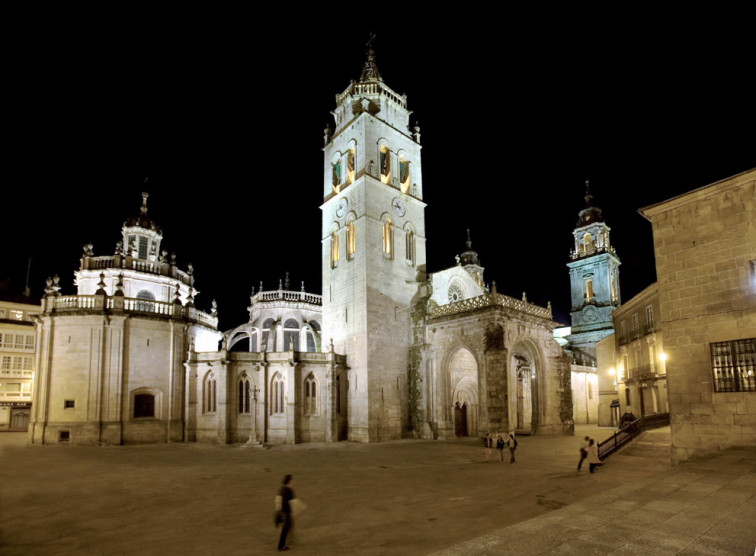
111,358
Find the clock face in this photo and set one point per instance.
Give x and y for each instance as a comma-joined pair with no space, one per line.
398,207
341,208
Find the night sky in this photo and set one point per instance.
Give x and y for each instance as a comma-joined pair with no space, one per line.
228,122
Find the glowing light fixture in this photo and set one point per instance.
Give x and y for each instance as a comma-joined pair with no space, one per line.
662,356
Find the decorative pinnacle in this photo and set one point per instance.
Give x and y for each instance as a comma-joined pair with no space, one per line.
588,196
370,71
145,195
469,241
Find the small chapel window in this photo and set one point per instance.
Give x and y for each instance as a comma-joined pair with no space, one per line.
277,395
245,389
410,247
209,399
310,397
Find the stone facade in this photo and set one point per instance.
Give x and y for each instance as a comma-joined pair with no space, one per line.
17,356
705,247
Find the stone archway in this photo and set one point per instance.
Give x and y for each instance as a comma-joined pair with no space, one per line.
526,376
462,371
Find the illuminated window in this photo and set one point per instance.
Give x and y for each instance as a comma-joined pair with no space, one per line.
385,165
734,365
587,243
245,391
387,232
589,289
16,315
334,248
404,174
210,394
351,240
277,395
310,395
291,333
350,165
143,244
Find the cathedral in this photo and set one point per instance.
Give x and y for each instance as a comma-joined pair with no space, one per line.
386,351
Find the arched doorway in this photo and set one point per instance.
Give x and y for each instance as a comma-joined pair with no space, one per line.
524,365
463,379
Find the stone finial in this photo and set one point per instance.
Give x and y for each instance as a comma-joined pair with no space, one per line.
173,258
214,308
327,135
493,287
119,248
548,306
588,196
370,71
163,256
145,195
177,297
456,258
190,270
261,287
88,250
524,297
49,290
302,288
280,284
190,297
119,286
330,347
416,133
101,285
287,282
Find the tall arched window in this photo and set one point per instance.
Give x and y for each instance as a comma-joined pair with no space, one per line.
385,164
350,165
268,336
351,240
387,232
404,174
210,391
245,393
587,243
277,395
291,333
334,248
310,395
410,246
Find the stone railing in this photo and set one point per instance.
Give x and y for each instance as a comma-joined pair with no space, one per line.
140,265
579,254
371,88
85,303
287,295
490,300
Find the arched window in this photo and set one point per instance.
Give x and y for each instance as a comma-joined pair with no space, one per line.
210,394
410,246
587,243
277,394
291,333
268,339
148,296
385,159
311,346
350,165
310,395
334,248
589,289
336,174
404,174
351,240
245,393
143,246
387,232
144,405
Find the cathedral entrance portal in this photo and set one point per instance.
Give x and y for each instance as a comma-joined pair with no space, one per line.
524,364
463,378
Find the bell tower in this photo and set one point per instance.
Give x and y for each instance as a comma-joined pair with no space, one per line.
594,279
373,248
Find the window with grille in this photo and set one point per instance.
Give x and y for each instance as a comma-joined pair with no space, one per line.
734,365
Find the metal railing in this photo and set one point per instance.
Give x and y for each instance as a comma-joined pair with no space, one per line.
628,431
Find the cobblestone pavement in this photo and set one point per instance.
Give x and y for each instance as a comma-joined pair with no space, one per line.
403,497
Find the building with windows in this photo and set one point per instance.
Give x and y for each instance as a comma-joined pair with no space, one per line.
17,360
640,360
387,351
705,247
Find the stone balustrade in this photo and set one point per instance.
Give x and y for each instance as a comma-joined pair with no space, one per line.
371,88
287,295
490,300
140,265
87,303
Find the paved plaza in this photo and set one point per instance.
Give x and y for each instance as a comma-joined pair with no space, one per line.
403,497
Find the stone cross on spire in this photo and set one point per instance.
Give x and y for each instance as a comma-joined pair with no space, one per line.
145,195
588,196
370,71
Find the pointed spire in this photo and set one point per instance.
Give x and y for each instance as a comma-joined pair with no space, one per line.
590,213
469,256
370,71
588,196
469,241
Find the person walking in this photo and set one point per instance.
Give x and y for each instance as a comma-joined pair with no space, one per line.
583,451
500,447
512,445
488,444
593,457
286,494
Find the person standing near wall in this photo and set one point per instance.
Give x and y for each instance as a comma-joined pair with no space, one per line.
512,445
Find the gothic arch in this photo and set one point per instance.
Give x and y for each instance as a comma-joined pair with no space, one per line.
527,385
462,398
